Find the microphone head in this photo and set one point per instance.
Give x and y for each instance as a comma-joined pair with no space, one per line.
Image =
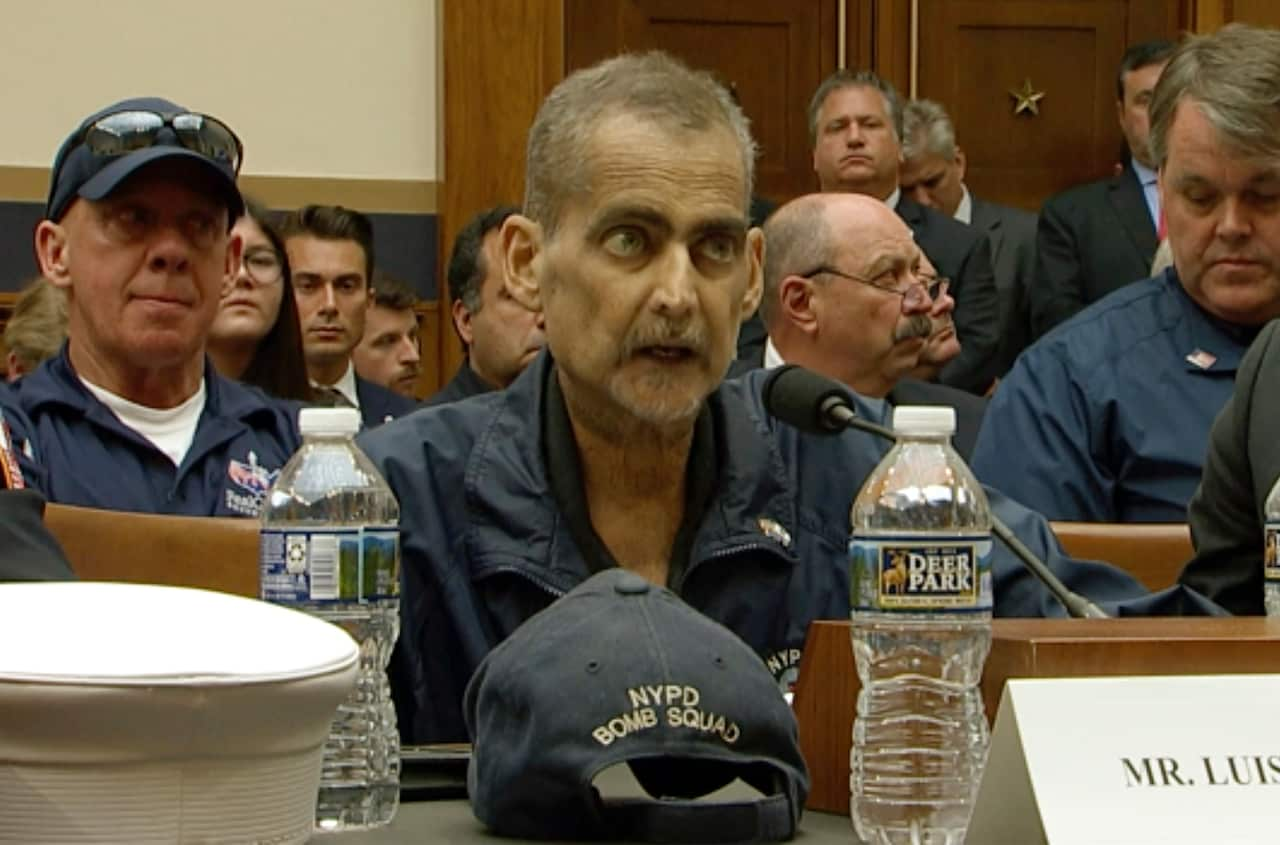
804,399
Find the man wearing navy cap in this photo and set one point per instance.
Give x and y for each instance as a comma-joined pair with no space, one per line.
130,415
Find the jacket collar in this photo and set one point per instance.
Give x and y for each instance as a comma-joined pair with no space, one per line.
1207,344
229,406
513,519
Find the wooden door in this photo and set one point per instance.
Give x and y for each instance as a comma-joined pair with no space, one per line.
773,55
973,54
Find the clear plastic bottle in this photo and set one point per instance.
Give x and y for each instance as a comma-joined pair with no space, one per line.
1271,552
920,584
330,546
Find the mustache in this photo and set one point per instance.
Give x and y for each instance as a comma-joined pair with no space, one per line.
917,325
690,336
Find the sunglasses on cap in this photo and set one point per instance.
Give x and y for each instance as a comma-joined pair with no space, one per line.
123,132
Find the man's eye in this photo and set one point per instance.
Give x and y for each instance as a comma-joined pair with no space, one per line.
624,243
200,227
719,248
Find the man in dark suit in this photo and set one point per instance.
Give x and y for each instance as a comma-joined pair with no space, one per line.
846,294
331,257
1227,511
855,124
1097,237
501,336
932,174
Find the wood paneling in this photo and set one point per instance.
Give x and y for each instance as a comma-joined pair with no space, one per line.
973,53
500,60
430,325
1261,12
773,54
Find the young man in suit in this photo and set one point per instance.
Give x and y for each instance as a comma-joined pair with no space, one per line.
1098,237
932,174
331,257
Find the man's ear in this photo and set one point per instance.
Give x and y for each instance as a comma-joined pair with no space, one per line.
755,280
796,303
960,162
235,249
53,253
522,252
462,322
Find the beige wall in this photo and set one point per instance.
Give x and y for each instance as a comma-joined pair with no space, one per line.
333,89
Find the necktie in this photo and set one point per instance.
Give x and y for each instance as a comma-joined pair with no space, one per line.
331,397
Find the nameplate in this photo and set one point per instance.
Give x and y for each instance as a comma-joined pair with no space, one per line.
1118,761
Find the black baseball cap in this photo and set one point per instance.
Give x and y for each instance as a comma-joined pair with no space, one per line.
623,671
79,170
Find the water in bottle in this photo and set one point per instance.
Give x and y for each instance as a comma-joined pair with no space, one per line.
920,587
330,546
1271,552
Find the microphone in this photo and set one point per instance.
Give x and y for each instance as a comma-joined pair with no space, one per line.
818,405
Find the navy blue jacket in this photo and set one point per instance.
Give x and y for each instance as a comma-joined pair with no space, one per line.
484,546
379,404
1107,418
90,458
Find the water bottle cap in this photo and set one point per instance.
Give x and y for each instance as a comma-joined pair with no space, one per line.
921,419
328,421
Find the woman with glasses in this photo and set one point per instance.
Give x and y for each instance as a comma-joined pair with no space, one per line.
255,337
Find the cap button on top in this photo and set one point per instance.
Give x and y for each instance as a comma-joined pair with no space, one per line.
630,584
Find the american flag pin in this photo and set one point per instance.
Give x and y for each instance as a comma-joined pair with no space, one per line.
1200,358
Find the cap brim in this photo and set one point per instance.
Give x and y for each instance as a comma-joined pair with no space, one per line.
106,180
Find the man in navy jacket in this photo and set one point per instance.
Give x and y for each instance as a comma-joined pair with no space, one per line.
621,445
137,231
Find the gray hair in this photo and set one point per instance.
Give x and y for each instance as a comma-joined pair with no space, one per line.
1233,76
927,130
856,79
797,239
653,86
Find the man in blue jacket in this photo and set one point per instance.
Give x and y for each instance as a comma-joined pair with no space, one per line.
1107,418
621,445
28,552
130,415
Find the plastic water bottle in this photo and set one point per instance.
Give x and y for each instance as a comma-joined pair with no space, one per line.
920,587
1271,552
330,546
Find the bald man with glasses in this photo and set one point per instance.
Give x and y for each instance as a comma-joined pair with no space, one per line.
849,294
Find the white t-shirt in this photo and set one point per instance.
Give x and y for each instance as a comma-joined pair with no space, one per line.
170,430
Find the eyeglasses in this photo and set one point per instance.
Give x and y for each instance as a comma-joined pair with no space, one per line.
126,131
263,265
923,291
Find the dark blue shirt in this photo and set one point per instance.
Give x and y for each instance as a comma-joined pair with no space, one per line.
486,543
1106,418
89,458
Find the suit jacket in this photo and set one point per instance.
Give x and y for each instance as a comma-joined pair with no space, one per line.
464,384
962,254
379,404
969,408
1012,234
1091,240
30,552
1226,513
